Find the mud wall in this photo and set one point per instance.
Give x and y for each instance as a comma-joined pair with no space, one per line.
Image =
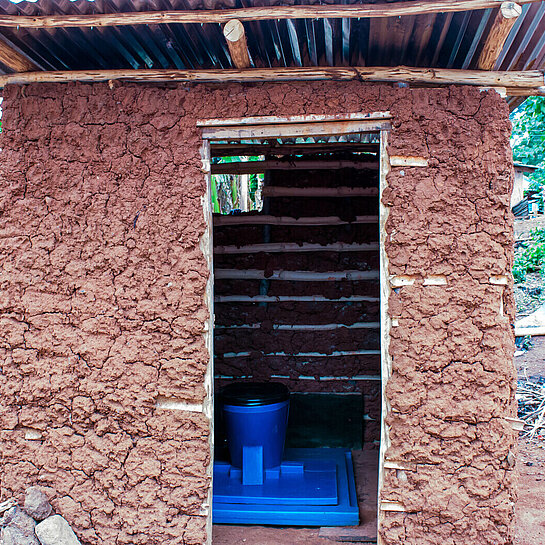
102,305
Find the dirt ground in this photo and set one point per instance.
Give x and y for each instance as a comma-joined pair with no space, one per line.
530,524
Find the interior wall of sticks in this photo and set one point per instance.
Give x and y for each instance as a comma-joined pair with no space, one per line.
297,291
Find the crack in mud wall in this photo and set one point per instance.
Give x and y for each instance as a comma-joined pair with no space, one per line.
102,305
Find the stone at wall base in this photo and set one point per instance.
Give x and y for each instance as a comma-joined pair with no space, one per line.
55,530
36,504
18,528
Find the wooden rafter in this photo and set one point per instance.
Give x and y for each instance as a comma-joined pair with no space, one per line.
521,83
13,59
236,41
502,25
336,11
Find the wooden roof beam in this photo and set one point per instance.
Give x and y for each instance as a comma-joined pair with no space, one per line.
332,11
236,41
520,83
499,31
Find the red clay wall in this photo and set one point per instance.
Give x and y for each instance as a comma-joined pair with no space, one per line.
102,304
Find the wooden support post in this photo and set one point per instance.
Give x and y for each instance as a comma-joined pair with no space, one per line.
236,41
502,25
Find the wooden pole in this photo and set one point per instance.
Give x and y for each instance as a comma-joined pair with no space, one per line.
333,11
502,25
236,41
529,82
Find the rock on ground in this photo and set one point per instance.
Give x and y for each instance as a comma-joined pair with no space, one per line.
36,504
56,531
18,528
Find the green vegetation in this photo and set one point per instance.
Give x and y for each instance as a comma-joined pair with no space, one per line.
226,187
530,257
528,137
528,143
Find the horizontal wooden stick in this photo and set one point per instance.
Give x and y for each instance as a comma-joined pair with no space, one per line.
256,167
306,327
286,220
530,81
305,377
270,191
296,276
275,149
334,354
334,11
294,247
293,298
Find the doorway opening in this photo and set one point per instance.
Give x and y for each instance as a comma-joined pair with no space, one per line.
297,301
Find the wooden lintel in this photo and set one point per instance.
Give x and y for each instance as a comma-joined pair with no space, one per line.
13,59
283,119
264,13
236,42
529,82
502,25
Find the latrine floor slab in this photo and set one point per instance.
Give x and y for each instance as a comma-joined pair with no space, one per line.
366,473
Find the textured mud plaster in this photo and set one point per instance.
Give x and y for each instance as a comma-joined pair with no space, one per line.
102,310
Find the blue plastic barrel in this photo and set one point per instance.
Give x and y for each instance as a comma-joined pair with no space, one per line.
256,415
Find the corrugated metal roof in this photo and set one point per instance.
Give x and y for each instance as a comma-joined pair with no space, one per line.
443,40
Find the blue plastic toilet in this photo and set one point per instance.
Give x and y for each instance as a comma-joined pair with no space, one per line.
262,483
256,418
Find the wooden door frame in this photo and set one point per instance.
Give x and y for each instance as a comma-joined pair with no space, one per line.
232,129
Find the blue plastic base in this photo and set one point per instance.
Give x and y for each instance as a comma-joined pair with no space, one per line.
312,487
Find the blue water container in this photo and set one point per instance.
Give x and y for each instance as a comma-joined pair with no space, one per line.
256,418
